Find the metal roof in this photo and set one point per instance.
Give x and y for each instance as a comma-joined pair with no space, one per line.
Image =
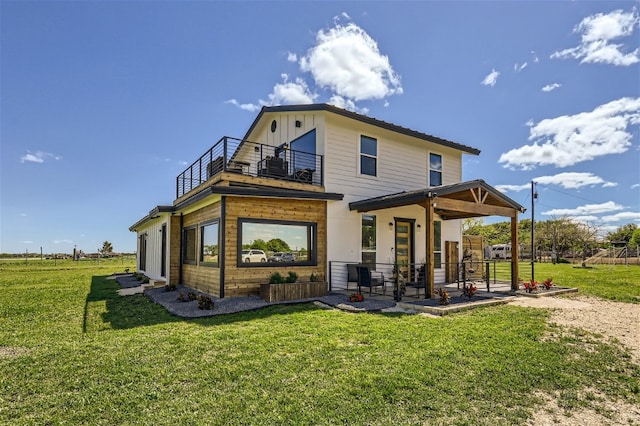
463,191
364,119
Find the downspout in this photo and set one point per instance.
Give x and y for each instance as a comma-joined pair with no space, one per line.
221,249
180,276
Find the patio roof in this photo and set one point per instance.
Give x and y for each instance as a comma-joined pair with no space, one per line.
458,201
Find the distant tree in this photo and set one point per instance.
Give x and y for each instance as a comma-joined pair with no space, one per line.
106,248
259,244
277,244
623,233
472,226
635,238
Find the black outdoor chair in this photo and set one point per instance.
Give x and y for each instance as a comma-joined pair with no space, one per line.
352,274
368,278
419,282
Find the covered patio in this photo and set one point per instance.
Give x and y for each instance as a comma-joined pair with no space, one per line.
462,200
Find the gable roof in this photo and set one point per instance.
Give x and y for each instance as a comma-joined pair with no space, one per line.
361,118
460,200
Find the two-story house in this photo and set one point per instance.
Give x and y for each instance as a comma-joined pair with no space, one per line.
309,189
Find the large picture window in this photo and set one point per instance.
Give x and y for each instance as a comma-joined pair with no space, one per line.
435,170
209,235
189,245
369,240
368,156
263,242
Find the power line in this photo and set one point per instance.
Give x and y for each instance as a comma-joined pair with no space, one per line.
572,195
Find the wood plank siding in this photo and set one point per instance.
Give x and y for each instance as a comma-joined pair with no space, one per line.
244,281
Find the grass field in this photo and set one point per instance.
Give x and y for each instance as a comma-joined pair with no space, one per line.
74,352
612,282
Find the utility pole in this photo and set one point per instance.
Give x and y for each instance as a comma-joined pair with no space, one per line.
534,195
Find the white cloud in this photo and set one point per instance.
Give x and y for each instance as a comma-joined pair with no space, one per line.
551,87
622,216
27,242
635,185
38,157
517,67
570,139
567,180
246,107
341,102
290,92
346,60
587,209
62,241
535,56
491,78
292,57
512,188
584,219
597,32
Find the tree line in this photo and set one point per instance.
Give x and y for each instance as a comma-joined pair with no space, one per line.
564,236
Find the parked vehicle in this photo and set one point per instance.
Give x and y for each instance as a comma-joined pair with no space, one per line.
276,257
253,256
501,251
288,257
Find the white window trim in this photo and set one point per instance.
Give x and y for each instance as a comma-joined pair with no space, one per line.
360,154
441,171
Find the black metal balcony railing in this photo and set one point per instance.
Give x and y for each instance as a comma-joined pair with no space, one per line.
251,159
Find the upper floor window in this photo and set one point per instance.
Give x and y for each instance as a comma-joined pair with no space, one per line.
435,170
368,156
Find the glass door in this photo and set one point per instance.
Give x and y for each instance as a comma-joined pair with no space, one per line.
404,247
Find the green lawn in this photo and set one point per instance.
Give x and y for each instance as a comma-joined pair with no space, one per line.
72,351
620,283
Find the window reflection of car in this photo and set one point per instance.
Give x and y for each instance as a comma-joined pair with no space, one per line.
277,257
288,257
253,256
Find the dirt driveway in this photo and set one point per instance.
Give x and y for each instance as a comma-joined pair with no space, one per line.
614,320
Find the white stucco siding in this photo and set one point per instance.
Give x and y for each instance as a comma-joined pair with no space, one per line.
345,237
154,248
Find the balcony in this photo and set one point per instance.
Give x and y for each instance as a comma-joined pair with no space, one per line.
232,155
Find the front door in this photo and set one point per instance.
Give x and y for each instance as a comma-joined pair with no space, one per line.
404,247
451,261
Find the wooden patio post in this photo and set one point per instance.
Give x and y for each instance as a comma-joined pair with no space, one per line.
429,240
515,251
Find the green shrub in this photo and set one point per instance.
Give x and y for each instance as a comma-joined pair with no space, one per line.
205,302
292,278
276,278
315,278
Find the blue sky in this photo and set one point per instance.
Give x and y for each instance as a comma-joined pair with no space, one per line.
105,103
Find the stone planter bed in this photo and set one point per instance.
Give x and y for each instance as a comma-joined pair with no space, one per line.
542,292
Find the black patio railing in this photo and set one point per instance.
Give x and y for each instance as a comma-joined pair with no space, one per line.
487,272
252,159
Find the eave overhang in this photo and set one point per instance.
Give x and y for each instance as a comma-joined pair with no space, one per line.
239,191
462,200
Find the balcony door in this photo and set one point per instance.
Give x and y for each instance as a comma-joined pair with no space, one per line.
404,247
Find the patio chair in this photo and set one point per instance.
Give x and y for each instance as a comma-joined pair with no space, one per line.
419,282
368,278
352,274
